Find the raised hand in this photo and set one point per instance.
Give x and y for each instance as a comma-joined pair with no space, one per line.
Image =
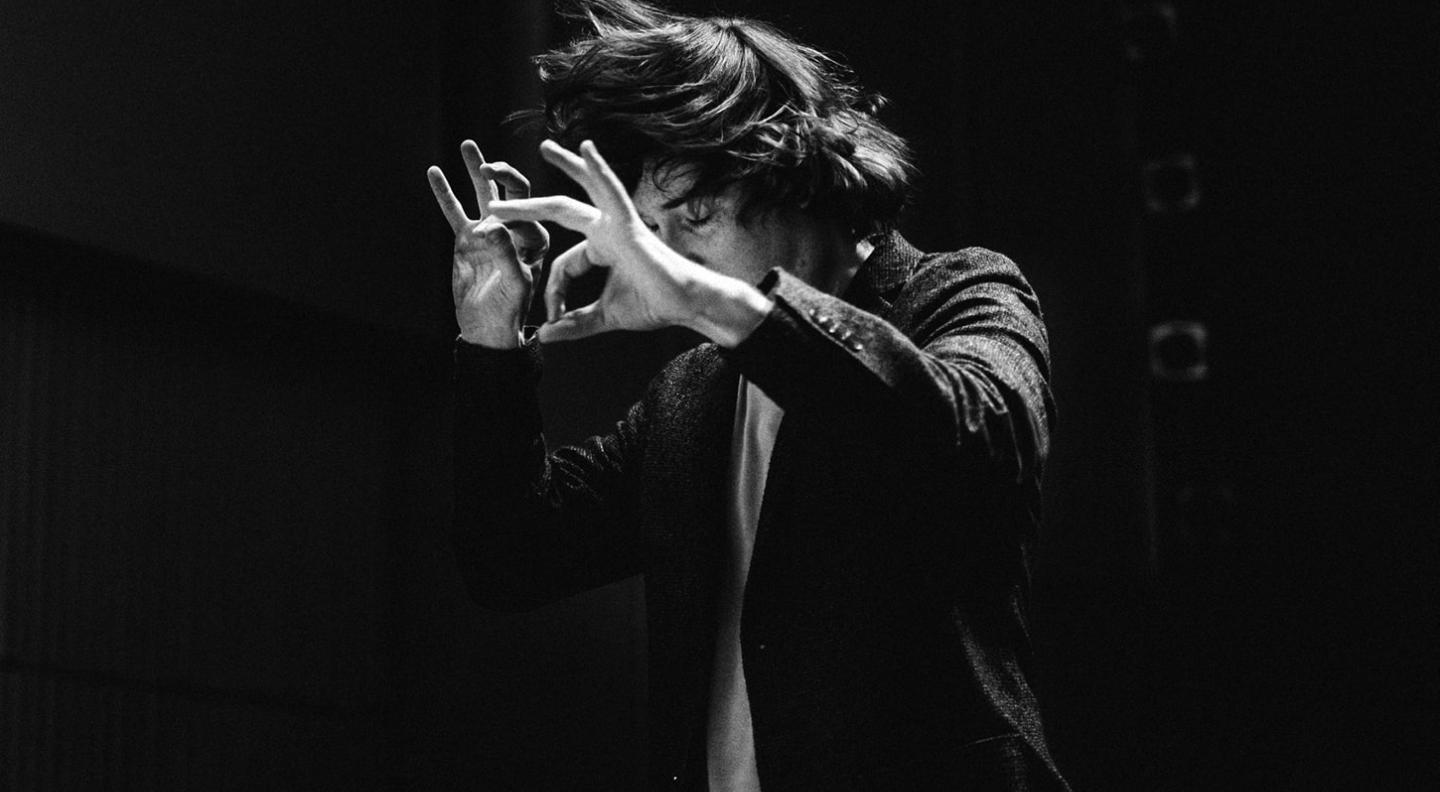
649,285
491,277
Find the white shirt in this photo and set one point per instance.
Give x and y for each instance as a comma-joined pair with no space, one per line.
730,743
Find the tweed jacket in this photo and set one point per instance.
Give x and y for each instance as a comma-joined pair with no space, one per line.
883,629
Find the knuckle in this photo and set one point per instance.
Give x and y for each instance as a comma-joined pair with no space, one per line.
492,233
483,238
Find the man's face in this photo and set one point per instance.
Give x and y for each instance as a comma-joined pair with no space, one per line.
708,231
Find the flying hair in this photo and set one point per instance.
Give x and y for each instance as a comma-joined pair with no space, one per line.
735,102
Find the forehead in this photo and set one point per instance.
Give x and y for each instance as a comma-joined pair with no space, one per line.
663,187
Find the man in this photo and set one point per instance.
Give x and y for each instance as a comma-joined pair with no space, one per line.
833,502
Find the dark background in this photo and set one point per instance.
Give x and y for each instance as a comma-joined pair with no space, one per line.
224,340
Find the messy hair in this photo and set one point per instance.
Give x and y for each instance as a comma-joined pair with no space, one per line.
734,102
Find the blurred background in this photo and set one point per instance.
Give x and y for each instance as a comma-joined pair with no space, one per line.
225,333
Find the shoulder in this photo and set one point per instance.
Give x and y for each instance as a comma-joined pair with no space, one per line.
970,273
971,292
967,264
897,270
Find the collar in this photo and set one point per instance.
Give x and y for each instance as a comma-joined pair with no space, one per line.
878,281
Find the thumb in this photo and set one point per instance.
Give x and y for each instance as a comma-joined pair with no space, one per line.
579,323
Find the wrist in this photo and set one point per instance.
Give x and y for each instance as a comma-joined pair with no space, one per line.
726,310
505,337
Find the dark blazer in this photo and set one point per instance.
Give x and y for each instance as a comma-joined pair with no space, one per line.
883,631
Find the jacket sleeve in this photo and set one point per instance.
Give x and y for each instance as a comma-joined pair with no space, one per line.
967,374
531,527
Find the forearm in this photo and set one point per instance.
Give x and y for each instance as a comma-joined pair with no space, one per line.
724,309
496,432
531,526
499,445
958,362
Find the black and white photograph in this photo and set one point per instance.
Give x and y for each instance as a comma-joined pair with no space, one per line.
721,396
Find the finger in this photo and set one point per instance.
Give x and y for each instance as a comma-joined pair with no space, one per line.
566,267
531,240
579,323
560,209
609,194
572,165
556,286
449,204
555,289
514,182
484,188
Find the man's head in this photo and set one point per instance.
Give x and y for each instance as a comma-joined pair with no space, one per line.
725,107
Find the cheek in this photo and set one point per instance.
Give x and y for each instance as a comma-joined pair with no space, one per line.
749,258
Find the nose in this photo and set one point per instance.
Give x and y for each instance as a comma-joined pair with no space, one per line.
668,230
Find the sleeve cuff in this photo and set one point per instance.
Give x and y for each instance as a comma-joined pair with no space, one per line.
480,366
809,338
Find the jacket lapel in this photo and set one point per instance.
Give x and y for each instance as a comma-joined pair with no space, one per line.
874,289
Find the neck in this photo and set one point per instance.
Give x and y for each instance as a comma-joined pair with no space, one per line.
840,257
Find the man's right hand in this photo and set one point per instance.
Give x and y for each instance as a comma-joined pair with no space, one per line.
492,274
